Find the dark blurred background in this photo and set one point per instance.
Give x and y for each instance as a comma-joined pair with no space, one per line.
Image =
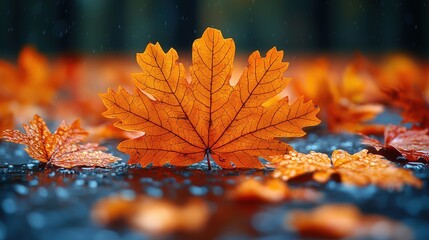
305,26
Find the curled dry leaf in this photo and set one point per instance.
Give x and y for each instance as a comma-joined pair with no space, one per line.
151,216
359,169
208,117
412,144
345,221
271,191
60,148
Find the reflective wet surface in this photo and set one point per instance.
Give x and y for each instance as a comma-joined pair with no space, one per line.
39,202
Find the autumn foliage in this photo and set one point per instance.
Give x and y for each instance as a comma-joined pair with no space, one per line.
406,87
207,117
339,221
60,148
214,112
271,191
412,144
359,169
152,216
342,94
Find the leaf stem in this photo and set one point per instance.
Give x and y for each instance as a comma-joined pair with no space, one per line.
208,159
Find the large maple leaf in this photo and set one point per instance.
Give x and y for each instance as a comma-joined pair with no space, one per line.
359,169
412,144
187,121
60,148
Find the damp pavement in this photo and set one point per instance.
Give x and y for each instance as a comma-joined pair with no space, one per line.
55,203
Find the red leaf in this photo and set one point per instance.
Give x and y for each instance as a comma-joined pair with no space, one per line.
412,144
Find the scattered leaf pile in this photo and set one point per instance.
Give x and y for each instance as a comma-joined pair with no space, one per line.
344,221
272,190
208,117
230,116
60,148
152,216
359,169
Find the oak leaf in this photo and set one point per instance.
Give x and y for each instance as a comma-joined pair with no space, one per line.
412,144
272,191
360,169
207,117
152,216
60,148
338,221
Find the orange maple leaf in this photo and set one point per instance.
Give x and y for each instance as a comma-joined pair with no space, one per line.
60,148
338,221
185,122
359,169
412,144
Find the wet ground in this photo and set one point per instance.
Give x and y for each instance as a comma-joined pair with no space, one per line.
52,203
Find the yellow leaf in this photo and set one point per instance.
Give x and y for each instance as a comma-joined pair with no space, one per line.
359,169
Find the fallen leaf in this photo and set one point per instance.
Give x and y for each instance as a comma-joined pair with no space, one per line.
413,103
60,148
108,131
151,216
402,80
6,121
343,98
27,86
32,72
208,117
359,169
84,77
350,117
412,144
345,221
271,191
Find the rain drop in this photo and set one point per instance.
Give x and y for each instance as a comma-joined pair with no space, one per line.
21,189
36,220
154,192
9,205
198,191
